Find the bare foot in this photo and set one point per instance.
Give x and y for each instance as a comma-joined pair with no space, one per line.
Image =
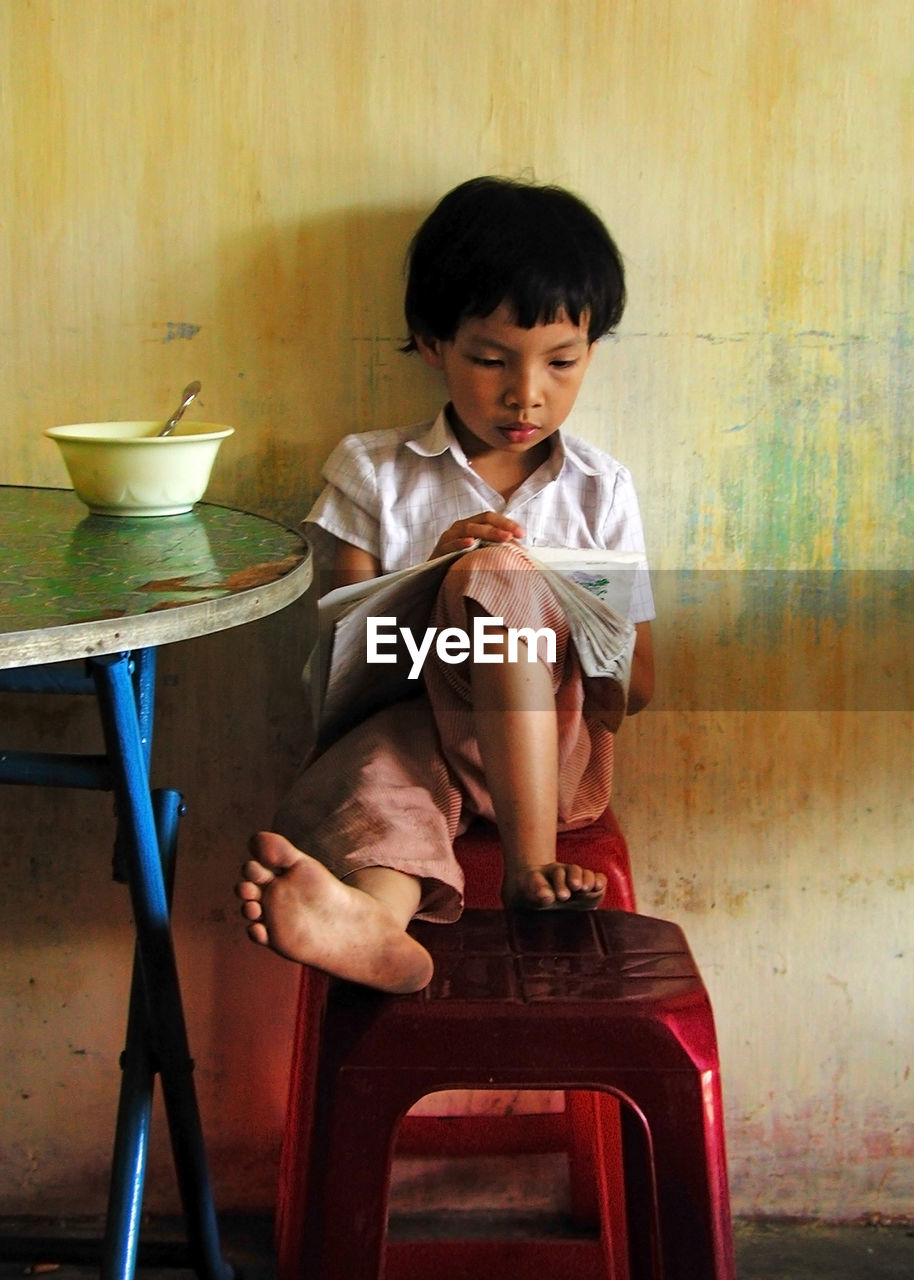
558,886
294,905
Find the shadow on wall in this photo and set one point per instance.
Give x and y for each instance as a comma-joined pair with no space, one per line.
308,320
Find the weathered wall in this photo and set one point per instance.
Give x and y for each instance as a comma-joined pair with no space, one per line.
224,190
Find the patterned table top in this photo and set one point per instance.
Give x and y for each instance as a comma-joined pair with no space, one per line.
73,585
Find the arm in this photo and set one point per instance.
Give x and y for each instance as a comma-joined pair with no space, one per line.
641,687
352,564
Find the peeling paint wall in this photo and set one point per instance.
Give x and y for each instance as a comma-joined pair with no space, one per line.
224,191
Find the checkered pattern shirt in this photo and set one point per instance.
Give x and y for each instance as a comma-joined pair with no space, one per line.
394,492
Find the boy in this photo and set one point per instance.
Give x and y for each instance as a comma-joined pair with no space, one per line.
509,287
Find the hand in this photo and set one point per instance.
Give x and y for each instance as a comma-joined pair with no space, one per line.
488,526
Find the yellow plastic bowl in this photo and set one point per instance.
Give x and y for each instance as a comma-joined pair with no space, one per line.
125,469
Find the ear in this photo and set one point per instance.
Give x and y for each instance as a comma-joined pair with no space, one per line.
430,350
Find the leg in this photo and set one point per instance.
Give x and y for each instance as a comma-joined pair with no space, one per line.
376,814
353,929
517,733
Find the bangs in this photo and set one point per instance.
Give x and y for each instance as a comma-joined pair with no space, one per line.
543,297
540,251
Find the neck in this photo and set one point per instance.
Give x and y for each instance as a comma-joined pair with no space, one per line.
503,469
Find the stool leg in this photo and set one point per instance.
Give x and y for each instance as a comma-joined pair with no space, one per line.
684,1117
583,1142
349,1180
292,1198
642,1224
596,1173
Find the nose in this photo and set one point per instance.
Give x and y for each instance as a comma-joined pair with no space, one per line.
523,392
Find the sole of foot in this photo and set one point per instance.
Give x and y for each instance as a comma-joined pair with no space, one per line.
299,909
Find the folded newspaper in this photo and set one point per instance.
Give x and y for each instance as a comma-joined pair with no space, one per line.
593,586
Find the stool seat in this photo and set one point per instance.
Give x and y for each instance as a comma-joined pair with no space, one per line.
604,1001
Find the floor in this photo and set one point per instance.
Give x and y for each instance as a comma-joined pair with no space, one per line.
772,1251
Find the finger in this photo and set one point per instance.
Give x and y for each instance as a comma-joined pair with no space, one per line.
493,532
459,542
496,520
449,542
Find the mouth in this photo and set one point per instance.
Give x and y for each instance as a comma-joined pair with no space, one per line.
519,432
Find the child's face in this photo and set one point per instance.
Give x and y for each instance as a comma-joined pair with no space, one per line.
511,388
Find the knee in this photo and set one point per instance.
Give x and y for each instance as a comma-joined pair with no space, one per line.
503,582
488,573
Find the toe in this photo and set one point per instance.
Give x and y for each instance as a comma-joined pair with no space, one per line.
542,889
565,880
575,878
256,874
274,852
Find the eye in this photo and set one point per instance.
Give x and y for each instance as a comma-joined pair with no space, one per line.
564,364
486,362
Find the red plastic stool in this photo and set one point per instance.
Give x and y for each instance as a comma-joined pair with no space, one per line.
604,1000
587,1128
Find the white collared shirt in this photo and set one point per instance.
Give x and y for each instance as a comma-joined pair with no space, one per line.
394,492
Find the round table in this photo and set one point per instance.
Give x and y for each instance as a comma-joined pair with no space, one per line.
75,585
109,590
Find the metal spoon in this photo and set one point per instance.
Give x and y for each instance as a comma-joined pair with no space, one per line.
190,392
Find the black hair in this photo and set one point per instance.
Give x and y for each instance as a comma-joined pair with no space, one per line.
539,249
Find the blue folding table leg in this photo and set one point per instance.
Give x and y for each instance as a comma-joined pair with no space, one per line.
138,1072
126,718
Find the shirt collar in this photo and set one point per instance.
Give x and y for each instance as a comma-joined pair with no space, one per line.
438,438
568,447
